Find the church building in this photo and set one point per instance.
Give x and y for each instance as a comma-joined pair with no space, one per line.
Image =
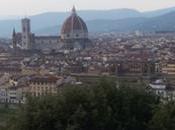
73,36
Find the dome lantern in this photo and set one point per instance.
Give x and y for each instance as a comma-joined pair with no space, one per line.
73,10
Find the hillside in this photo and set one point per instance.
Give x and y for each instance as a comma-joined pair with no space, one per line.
160,23
120,20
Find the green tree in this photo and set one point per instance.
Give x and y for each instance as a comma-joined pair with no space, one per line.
98,107
164,117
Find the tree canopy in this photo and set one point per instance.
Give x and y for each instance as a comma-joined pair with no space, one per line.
103,106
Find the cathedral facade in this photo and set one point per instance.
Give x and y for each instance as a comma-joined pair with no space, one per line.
73,36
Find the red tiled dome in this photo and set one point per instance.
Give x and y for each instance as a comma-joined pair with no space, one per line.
74,24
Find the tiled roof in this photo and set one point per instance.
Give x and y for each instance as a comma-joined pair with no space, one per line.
73,23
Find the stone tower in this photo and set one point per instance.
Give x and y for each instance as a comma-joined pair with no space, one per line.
26,34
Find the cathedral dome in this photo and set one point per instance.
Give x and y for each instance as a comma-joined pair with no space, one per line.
74,27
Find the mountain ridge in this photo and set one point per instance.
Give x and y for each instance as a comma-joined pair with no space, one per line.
97,21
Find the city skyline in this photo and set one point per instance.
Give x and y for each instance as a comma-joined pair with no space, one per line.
30,7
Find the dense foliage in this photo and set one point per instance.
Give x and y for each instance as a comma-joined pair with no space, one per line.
164,117
99,107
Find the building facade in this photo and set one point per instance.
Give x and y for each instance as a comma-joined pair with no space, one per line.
168,68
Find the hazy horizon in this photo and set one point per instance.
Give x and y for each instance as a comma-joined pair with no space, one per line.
31,7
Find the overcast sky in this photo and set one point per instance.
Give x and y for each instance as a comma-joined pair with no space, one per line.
28,7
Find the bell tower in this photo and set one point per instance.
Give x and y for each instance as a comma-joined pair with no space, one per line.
26,34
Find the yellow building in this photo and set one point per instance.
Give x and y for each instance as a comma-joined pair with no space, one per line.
168,68
43,85
34,71
15,89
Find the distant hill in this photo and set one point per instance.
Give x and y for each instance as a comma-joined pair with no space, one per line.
120,20
100,25
165,22
158,12
160,23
